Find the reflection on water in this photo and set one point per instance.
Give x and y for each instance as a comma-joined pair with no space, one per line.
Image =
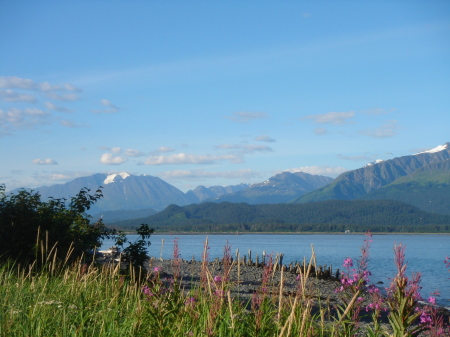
424,253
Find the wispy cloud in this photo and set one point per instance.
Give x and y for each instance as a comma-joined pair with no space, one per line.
245,174
244,148
133,153
184,158
68,97
116,150
18,119
331,117
70,124
9,95
111,159
47,161
246,117
387,130
265,138
376,111
110,108
27,84
320,131
328,171
54,107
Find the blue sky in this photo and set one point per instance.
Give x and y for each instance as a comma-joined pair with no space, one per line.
218,92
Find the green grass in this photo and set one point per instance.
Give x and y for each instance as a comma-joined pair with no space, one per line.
92,300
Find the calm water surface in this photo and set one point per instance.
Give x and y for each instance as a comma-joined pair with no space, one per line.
424,253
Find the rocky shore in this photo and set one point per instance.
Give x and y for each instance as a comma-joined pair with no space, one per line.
247,279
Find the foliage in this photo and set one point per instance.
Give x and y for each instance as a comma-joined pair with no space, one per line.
135,252
28,224
326,216
88,300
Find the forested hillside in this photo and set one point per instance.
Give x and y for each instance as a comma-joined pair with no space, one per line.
333,215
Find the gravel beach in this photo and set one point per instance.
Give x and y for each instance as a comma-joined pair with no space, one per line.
247,279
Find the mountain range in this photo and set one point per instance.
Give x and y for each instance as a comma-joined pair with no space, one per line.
398,178
280,188
126,196
421,180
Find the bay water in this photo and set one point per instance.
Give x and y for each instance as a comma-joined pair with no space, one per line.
425,253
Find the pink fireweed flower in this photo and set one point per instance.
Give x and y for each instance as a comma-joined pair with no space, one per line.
190,301
348,263
219,293
432,300
217,278
147,291
425,318
157,269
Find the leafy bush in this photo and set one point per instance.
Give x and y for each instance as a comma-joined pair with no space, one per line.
30,226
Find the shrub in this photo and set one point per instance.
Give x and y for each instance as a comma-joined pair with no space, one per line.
30,226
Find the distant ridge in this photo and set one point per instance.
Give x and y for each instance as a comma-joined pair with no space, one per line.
331,215
121,191
280,188
357,183
427,188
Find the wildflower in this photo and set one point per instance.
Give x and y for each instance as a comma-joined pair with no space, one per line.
425,318
217,278
157,269
432,300
190,301
219,293
147,291
348,262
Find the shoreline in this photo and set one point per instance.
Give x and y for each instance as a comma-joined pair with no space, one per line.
283,233
246,280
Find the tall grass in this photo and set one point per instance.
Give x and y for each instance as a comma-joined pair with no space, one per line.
86,299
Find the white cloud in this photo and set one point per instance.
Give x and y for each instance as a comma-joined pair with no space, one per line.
245,148
134,153
387,130
165,149
184,158
331,117
47,161
53,107
265,138
328,171
69,124
375,111
16,82
9,95
161,149
116,150
245,174
320,131
23,83
111,159
35,112
18,119
62,97
111,108
245,117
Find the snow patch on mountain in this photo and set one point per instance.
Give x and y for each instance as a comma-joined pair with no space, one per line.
436,149
374,162
110,178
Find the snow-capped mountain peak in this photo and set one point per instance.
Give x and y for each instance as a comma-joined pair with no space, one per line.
110,178
436,149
